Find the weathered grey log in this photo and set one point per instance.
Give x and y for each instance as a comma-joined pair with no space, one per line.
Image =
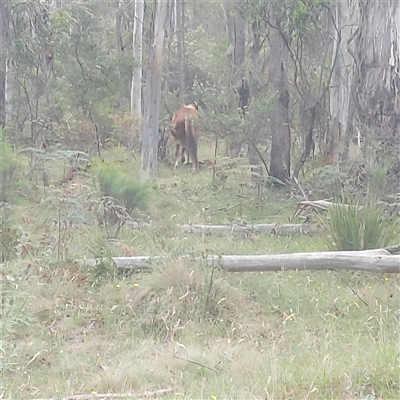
379,260
395,249
230,229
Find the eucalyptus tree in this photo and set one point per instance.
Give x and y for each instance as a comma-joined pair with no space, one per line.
180,41
151,112
4,28
365,83
136,87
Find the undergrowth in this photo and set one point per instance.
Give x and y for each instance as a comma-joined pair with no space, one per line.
360,225
197,331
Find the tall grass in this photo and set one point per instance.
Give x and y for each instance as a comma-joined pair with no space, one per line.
354,226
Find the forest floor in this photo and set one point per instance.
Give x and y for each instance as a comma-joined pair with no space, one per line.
195,331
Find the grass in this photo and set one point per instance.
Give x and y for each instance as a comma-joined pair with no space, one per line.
199,331
360,227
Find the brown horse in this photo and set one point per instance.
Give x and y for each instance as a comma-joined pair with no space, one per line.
186,134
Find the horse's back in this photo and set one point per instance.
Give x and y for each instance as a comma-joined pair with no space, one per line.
179,122
183,112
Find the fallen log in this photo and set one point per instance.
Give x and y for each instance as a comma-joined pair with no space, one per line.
318,205
379,260
231,229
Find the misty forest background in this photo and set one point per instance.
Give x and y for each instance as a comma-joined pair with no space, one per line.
285,84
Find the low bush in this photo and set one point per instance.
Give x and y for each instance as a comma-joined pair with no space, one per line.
123,187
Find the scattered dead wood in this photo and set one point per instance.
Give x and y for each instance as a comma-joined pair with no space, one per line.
279,229
316,205
379,260
395,249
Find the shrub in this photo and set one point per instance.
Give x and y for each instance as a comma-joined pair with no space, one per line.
352,226
123,187
8,186
8,163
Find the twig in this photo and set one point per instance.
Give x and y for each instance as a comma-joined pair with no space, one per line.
224,209
301,189
195,362
355,293
34,358
261,157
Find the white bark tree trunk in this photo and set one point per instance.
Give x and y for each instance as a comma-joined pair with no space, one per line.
239,51
377,56
136,88
365,83
120,49
280,129
9,91
344,26
181,51
3,59
153,94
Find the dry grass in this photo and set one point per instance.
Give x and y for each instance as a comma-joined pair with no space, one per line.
202,332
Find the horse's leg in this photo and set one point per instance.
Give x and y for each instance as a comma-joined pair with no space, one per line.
177,155
183,155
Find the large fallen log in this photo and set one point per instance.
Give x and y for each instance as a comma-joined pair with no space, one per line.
231,229
368,260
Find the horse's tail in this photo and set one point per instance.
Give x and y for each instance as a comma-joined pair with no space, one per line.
191,140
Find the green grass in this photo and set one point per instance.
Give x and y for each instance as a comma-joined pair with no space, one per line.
185,326
350,226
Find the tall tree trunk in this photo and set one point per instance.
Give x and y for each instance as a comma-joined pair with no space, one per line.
377,57
230,30
120,49
47,56
181,50
280,130
170,31
257,26
153,94
9,91
3,59
239,49
255,58
344,26
349,127
136,89
235,27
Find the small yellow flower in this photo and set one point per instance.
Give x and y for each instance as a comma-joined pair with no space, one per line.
290,276
94,392
117,285
338,287
290,319
136,284
386,279
213,397
374,310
